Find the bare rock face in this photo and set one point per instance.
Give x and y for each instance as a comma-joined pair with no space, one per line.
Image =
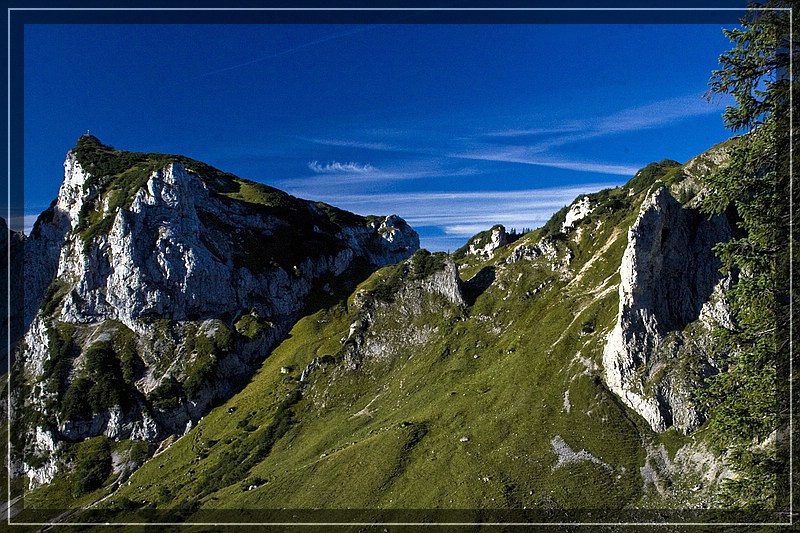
398,239
183,280
168,256
486,243
546,249
579,210
445,283
670,279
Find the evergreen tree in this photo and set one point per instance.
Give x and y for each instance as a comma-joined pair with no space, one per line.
748,401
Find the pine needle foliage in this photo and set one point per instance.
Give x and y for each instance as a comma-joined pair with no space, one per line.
747,399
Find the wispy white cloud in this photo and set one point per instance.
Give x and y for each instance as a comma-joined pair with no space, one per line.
29,221
335,167
542,152
656,114
351,143
447,219
335,175
653,115
600,167
538,144
534,156
530,132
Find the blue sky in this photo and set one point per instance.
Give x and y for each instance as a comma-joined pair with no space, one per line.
453,127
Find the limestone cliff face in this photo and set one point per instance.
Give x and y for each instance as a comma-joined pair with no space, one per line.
485,243
186,284
397,242
579,210
669,280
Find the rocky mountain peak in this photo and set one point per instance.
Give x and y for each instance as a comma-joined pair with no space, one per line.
183,276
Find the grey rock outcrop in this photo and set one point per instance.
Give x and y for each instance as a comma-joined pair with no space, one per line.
397,240
487,242
316,364
579,210
445,283
545,249
669,274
